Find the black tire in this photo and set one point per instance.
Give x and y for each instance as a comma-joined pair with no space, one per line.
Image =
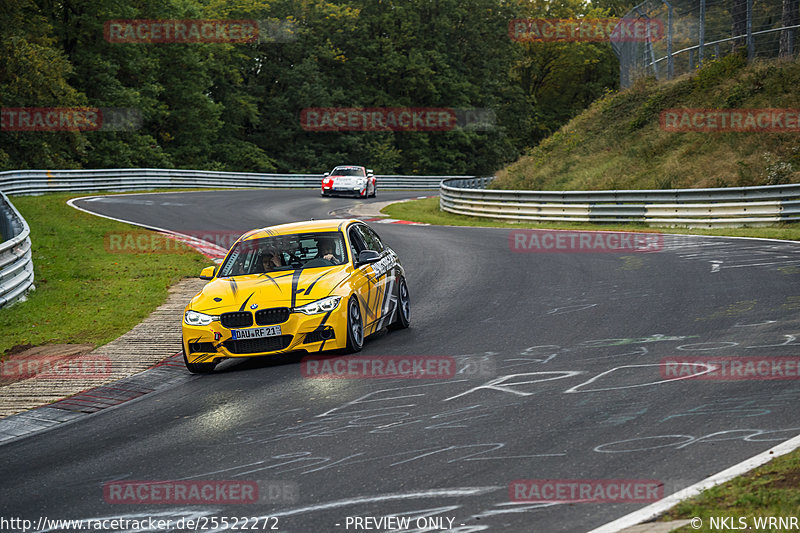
355,326
403,318
198,368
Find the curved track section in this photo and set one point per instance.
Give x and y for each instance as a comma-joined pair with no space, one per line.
574,387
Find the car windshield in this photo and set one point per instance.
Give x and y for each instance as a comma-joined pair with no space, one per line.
284,253
348,171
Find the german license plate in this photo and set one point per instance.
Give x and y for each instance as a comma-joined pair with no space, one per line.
255,333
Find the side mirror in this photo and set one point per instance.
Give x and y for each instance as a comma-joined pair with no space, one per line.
326,174
208,272
370,171
367,256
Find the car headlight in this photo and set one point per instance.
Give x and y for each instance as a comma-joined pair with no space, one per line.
193,318
320,306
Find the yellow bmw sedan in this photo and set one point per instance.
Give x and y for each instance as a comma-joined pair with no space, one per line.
305,286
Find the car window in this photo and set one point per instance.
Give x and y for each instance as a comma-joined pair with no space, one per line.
357,244
370,238
285,252
348,171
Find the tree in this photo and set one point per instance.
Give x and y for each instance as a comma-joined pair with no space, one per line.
34,72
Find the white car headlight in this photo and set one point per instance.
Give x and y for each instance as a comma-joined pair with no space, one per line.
320,306
193,318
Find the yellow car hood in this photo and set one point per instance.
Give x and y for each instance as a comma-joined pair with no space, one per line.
277,289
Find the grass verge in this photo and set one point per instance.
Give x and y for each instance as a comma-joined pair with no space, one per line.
770,490
84,293
427,211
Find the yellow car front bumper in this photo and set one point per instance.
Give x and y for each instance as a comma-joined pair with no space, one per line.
301,332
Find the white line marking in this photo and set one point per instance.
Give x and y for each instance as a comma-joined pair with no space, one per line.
192,241
398,496
663,505
709,368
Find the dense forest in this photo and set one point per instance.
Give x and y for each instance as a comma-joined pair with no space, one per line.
237,105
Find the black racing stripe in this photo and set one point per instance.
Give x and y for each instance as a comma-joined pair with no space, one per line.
387,296
245,302
196,339
365,318
234,288
379,297
369,297
295,281
308,290
321,325
269,278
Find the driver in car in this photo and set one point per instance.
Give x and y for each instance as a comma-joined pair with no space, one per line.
326,250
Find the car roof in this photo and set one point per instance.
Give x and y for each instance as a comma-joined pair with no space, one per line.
332,224
348,166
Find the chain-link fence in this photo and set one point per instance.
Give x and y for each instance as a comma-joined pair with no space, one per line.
696,31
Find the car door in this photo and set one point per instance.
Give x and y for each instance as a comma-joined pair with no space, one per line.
380,278
362,282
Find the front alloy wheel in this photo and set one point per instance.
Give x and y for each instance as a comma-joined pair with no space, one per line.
355,326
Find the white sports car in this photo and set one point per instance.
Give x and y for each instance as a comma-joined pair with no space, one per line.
351,181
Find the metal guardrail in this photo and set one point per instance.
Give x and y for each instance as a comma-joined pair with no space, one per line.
16,265
719,207
130,179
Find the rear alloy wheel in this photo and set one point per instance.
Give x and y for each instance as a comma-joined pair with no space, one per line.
198,368
355,326
403,318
